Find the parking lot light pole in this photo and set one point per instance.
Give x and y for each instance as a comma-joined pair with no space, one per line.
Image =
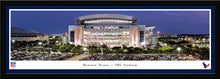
178,49
40,43
84,49
101,49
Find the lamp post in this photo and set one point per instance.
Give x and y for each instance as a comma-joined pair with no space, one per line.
84,49
145,50
178,49
144,44
158,33
101,49
56,42
85,46
13,41
40,43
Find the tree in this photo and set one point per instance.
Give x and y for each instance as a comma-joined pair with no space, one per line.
124,47
12,47
44,42
204,52
125,50
115,48
92,49
31,43
166,49
187,50
62,47
130,50
98,50
17,44
147,50
171,42
23,43
117,51
55,48
155,49
77,49
137,50
190,46
106,50
182,42
46,45
104,46
68,48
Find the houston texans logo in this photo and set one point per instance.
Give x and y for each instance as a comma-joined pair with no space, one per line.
205,65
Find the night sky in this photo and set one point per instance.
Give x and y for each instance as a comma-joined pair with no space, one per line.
55,22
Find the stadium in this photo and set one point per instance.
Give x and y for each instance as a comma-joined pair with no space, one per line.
111,30
20,34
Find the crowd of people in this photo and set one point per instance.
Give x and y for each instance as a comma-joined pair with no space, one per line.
40,56
144,57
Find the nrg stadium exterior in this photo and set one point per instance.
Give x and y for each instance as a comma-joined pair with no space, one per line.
111,30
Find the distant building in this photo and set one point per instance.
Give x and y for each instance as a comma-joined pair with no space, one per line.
65,38
151,40
169,35
19,34
111,30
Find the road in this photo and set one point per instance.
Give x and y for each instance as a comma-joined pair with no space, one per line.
76,58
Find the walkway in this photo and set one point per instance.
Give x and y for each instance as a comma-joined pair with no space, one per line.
76,58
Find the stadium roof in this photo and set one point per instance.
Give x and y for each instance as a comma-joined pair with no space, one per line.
80,20
20,32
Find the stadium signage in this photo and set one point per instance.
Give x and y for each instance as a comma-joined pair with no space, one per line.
106,27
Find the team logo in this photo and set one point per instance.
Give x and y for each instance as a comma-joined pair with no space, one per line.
13,64
205,65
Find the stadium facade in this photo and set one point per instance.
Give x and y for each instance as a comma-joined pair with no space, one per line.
111,30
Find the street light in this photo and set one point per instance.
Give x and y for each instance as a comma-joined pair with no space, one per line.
158,35
13,41
40,43
193,45
101,49
84,49
56,42
143,44
145,49
158,32
178,49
